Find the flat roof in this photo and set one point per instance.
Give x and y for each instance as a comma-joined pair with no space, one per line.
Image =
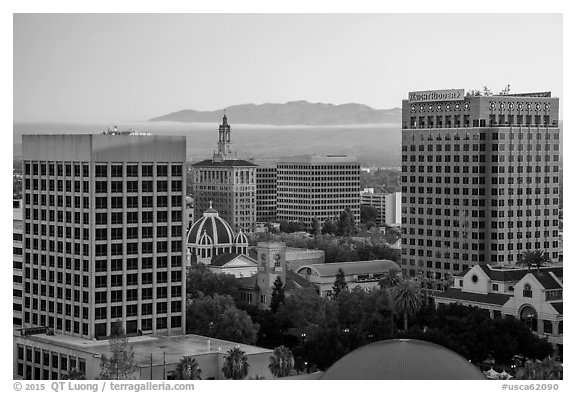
175,347
319,159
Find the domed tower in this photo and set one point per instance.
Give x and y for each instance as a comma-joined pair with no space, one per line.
204,248
210,236
240,243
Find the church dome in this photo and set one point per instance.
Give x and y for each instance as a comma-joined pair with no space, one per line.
205,240
402,359
213,226
240,238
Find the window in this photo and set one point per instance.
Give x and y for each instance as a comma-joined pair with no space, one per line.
527,292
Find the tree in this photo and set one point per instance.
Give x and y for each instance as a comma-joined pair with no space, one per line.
390,280
281,362
187,369
340,283
235,364
218,317
200,281
236,325
278,296
541,369
116,330
368,214
346,223
74,374
531,258
316,228
329,227
407,298
120,364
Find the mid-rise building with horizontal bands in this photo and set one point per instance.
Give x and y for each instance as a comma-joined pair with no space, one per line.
480,179
317,187
104,223
226,183
387,204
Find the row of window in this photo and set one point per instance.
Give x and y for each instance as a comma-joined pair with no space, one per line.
116,170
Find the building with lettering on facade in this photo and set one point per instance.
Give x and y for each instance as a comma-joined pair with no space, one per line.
480,179
229,182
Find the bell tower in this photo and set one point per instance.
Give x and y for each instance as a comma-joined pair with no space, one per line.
224,143
271,264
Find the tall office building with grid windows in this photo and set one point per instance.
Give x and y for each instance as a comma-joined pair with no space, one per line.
103,233
480,181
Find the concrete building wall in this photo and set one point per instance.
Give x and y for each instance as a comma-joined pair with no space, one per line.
104,233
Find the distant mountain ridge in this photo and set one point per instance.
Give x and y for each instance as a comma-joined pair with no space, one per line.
290,113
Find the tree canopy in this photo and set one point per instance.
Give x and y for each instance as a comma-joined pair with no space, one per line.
278,296
218,317
202,282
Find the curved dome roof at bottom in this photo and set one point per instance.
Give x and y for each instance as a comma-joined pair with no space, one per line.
402,359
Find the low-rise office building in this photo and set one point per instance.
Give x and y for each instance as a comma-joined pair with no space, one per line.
365,274
52,357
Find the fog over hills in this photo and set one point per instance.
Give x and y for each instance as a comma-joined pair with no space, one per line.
378,145
290,113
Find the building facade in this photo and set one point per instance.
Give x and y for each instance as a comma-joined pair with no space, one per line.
266,190
229,183
480,179
104,227
17,265
317,187
52,357
535,297
388,206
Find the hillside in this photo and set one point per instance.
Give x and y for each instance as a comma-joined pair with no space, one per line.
290,113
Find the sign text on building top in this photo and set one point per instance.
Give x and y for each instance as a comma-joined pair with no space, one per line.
436,95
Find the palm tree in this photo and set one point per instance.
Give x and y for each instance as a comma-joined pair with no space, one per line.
281,362
391,280
235,364
532,258
541,369
407,299
187,369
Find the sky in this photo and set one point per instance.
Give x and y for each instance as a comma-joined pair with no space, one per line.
132,67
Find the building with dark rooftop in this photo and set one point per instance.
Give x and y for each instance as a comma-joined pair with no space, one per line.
402,359
533,296
228,182
480,181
